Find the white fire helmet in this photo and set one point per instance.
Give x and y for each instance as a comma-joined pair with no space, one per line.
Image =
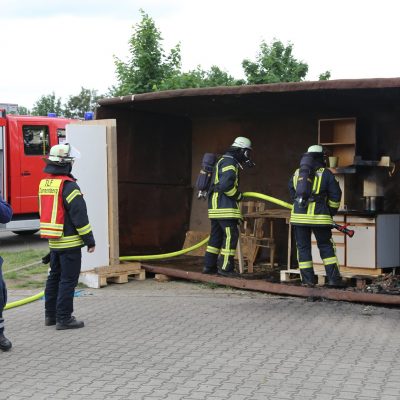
63,153
242,143
316,148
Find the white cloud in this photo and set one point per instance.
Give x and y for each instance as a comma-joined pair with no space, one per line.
60,46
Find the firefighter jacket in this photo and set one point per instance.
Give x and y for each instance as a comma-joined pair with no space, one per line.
324,201
63,214
224,194
5,212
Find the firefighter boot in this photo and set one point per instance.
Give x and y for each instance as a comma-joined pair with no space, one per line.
71,323
229,272
209,270
5,344
49,320
307,276
333,275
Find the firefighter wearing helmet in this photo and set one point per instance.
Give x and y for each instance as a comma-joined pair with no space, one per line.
65,223
223,208
6,213
316,198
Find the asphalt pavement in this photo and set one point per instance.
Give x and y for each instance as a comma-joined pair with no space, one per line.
179,340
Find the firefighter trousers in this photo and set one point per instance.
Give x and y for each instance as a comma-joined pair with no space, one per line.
221,247
65,267
3,297
326,247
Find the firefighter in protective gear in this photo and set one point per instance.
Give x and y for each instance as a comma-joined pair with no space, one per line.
223,208
64,222
5,216
316,217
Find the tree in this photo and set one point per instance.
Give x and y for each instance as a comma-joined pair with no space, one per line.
48,104
274,63
200,78
148,69
147,66
76,106
23,110
325,76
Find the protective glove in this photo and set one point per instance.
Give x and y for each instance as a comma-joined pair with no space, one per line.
46,259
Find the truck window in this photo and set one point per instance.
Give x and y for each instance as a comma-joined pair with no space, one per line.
36,140
61,135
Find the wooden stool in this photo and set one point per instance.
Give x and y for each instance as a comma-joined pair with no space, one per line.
252,233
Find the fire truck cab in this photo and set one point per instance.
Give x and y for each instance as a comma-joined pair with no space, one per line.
24,141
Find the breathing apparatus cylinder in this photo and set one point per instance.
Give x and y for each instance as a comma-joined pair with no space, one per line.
203,181
305,180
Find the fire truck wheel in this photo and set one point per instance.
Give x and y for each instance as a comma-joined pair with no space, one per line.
26,233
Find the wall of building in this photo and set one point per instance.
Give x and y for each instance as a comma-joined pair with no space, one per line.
154,173
278,143
160,155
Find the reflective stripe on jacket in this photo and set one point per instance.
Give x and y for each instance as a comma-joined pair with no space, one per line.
51,206
225,195
325,200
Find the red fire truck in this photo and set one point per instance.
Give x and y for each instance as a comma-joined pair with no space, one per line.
24,141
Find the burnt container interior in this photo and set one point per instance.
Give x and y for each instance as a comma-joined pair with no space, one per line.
161,138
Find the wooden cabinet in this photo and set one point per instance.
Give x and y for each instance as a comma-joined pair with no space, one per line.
375,244
338,136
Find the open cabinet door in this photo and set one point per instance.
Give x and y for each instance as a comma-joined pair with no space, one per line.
97,178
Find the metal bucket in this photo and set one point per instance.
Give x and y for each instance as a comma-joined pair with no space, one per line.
373,203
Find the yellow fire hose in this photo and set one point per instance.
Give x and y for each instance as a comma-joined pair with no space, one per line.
161,256
24,301
203,242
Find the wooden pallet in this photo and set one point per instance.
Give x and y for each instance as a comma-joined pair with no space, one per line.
101,276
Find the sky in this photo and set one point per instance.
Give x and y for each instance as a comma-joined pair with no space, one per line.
62,45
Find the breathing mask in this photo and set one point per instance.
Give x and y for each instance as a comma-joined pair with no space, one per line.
245,158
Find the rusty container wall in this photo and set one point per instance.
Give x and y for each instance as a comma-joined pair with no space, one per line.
278,142
163,136
154,188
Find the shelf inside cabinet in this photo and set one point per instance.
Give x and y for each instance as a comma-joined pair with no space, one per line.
338,136
338,130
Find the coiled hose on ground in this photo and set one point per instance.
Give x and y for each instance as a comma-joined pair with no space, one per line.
160,256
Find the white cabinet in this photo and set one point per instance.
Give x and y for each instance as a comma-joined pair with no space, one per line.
375,244
361,248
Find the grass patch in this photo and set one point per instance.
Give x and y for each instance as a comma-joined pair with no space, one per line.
30,284
28,278
10,275
21,258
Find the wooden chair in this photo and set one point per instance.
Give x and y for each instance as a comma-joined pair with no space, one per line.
253,236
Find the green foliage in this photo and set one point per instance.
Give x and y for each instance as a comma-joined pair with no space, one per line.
274,63
48,104
147,66
148,69
76,106
199,78
23,110
325,76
